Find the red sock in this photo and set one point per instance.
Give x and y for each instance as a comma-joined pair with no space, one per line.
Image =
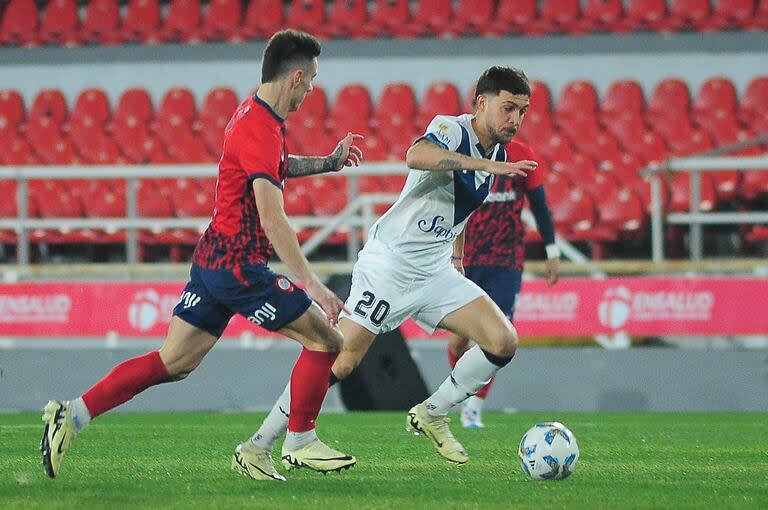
483,392
453,358
309,384
125,381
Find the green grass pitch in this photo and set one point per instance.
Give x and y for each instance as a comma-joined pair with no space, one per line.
181,460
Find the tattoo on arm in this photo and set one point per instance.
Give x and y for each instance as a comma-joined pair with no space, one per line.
301,166
449,164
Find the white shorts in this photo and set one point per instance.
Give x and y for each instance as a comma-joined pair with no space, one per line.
385,293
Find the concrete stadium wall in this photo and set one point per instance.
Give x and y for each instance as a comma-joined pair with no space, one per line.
539,379
557,60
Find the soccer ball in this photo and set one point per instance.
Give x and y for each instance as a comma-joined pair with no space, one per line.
548,451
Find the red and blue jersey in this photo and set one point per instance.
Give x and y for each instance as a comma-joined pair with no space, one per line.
254,148
495,232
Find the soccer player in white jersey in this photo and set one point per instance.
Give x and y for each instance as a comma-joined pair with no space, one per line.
405,268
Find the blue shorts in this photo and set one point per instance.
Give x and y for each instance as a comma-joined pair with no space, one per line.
502,284
265,298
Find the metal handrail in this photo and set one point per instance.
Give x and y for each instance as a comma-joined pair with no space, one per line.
709,161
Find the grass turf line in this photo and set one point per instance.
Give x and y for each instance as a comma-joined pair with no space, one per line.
181,460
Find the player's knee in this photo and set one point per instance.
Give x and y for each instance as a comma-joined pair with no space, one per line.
504,343
345,365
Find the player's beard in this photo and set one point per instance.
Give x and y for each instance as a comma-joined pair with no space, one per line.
502,138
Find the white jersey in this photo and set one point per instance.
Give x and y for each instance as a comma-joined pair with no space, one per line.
434,206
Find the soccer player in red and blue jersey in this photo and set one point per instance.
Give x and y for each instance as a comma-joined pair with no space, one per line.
229,275
494,252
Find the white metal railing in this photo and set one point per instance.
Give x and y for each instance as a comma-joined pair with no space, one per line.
357,216
695,218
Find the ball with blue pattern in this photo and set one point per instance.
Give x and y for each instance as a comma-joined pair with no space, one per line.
548,451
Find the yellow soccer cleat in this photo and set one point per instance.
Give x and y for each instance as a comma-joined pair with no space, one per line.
319,457
57,435
255,463
419,421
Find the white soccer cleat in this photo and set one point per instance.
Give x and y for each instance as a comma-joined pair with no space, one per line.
57,435
472,413
436,429
255,463
317,456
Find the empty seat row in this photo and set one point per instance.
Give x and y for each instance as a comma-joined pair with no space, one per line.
190,21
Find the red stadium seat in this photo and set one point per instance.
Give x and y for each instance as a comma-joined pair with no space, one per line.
431,17
388,17
315,105
99,150
758,233
621,211
222,20
471,17
400,142
577,98
622,97
669,98
626,126
135,102
561,16
541,98
45,137
754,99
604,16
152,203
221,102
12,112
102,23
440,98
103,202
177,111
262,19
625,168
212,133
141,22
760,19
296,200
19,25
328,195
580,168
690,14
648,15
573,213
579,127
650,147
50,103
193,202
187,147
56,202
715,93
602,145
691,141
8,206
15,150
349,18
733,14
554,148
601,186
351,111
680,188
183,21
309,15
131,136
514,16
374,149
93,102
395,110
60,23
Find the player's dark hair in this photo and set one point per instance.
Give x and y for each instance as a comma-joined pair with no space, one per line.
286,50
498,78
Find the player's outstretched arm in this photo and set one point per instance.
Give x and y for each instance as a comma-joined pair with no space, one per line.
426,155
269,203
346,153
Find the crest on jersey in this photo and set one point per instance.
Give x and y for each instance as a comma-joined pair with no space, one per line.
284,283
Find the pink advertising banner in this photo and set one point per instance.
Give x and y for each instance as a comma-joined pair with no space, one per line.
574,307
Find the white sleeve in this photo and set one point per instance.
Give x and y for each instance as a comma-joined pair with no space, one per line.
444,131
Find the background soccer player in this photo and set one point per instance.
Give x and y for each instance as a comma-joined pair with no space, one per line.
229,275
405,268
494,253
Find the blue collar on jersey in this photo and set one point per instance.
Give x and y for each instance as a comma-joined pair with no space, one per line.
266,105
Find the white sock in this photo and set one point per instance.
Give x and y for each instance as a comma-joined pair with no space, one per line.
472,372
296,440
276,422
80,415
